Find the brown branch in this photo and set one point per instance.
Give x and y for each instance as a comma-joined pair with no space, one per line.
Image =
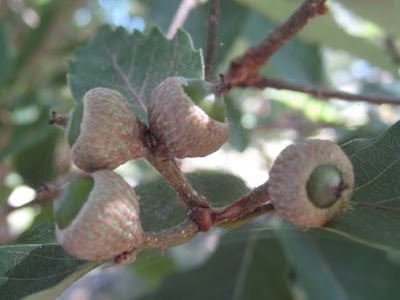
249,204
199,210
318,92
203,217
211,38
170,237
392,49
246,208
180,16
246,67
172,173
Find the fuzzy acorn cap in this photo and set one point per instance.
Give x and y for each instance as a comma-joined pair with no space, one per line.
109,133
181,128
290,185
105,224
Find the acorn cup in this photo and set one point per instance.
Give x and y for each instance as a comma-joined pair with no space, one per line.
187,118
311,182
97,217
103,131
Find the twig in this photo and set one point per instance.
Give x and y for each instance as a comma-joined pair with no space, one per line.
211,38
172,173
245,68
318,92
392,49
180,16
48,191
245,206
58,120
249,206
170,237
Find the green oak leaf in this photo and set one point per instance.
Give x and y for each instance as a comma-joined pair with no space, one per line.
329,266
246,265
231,21
133,64
37,264
373,216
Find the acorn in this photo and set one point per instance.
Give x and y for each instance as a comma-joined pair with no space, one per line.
311,182
103,131
97,217
187,118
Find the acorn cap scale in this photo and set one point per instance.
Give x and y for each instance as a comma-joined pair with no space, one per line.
109,132
182,128
105,225
311,182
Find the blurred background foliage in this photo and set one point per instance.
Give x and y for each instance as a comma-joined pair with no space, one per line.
353,48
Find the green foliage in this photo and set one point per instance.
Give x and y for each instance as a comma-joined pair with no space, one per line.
346,269
133,64
324,30
4,53
232,19
298,60
74,126
386,18
355,256
37,264
235,271
238,135
153,265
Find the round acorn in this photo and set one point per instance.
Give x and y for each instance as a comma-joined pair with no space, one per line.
97,217
311,182
103,131
187,118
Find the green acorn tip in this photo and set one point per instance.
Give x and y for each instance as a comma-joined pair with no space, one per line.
73,196
204,94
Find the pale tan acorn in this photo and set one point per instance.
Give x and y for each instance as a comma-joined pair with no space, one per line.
103,131
187,118
97,217
311,182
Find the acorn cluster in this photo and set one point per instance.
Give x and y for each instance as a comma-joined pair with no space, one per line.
97,217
